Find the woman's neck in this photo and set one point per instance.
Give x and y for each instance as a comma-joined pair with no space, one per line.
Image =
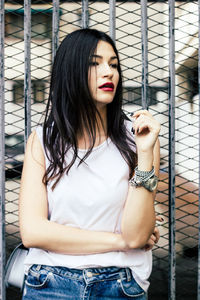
84,141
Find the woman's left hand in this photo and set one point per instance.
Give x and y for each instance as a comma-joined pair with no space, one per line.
146,130
154,238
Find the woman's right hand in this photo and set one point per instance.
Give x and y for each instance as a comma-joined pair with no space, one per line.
146,129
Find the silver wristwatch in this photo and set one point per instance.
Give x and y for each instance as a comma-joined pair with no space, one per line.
147,179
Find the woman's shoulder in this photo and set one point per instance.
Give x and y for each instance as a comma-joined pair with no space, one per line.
39,131
35,139
34,148
35,135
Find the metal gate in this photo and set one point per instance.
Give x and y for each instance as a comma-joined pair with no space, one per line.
158,42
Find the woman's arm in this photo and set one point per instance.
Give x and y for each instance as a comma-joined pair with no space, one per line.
37,231
154,238
138,220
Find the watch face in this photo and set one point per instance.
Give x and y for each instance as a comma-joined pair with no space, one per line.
151,184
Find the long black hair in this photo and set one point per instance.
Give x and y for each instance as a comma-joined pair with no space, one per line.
71,108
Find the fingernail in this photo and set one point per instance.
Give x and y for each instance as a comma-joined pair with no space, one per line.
160,221
133,130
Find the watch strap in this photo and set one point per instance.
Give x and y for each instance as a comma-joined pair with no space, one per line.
147,179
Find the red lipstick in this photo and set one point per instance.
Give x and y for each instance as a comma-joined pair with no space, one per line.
107,87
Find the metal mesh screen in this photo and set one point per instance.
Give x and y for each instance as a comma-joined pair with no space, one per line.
128,40
41,61
187,146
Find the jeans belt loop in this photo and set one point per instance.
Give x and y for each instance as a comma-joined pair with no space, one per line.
128,274
38,268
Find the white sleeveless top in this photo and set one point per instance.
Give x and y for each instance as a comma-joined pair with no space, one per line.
92,196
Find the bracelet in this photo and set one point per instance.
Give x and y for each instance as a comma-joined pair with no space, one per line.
146,179
140,177
144,175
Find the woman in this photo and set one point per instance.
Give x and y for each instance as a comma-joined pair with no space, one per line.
87,221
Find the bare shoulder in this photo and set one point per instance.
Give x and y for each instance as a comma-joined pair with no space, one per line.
34,150
34,165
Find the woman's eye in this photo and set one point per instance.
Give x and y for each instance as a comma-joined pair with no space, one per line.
114,66
93,63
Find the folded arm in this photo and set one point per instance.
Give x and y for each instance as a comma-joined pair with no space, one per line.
37,231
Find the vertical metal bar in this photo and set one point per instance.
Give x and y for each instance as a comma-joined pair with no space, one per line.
55,27
144,54
112,18
85,14
172,221
27,67
198,286
2,157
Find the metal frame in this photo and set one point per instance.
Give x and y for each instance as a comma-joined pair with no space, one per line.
112,18
27,67
2,156
55,27
85,14
144,54
198,283
172,220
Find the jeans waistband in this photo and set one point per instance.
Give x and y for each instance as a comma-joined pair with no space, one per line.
89,275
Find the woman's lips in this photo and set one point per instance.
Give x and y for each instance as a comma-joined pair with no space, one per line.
107,87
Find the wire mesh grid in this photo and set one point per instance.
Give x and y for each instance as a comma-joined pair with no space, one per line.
128,41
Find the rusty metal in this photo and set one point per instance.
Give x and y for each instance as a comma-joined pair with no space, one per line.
55,27
172,220
144,32
85,14
27,67
112,18
198,282
2,156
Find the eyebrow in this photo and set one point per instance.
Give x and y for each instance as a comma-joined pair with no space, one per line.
99,56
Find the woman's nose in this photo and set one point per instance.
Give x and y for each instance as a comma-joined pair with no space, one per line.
107,71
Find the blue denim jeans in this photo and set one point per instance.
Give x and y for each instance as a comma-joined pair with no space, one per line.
45,282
